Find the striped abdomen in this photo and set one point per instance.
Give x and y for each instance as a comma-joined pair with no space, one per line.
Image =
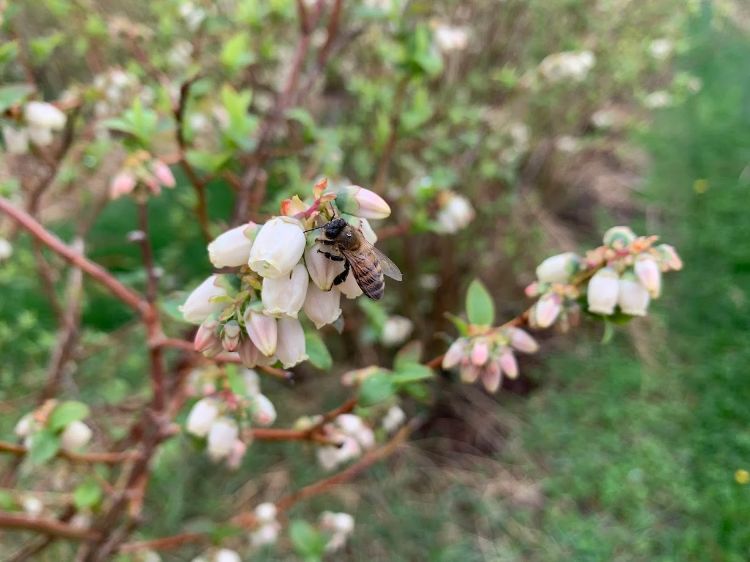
367,272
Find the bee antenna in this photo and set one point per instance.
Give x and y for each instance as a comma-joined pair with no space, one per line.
311,229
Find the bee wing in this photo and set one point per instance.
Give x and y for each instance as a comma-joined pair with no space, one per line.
389,268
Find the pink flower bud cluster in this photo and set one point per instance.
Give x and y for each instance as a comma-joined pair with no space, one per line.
217,416
280,274
267,528
141,169
623,274
489,356
352,437
338,526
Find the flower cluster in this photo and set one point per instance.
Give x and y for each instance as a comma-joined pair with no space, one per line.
141,169
40,120
268,527
218,415
278,271
450,38
571,66
489,354
624,273
60,420
219,555
351,435
339,526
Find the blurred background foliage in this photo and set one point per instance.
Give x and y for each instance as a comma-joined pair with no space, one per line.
619,452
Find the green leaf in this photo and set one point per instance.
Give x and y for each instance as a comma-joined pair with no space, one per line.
13,94
317,351
236,53
411,373
459,323
87,494
479,306
67,412
308,542
44,446
208,161
6,500
236,383
609,332
375,389
407,355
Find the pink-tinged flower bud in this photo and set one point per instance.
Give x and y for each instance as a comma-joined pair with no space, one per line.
231,336
546,310
266,512
480,353
262,330
16,140
322,270
44,115
263,410
232,248
632,296
202,416
322,307
122,184
349,288
278,247
522,341
648,273
206,337
602,291
235,456
349,423
221,438
284,296
532,290
337,522
199,305
492,376
252,382
668,257
291,348
362,202
162,173
469,372
619,237
75,435
455,354
558,269
267,533
508,363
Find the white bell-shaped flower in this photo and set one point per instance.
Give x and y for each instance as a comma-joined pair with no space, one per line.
43,115
278,247
649,274
322,270
322,307
262,330
633,297
75,435
221,437
232,248
557,269
285,295
291,346
202,416
263,410
602,291
198,305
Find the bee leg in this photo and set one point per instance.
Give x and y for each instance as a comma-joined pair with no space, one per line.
341,277
331,256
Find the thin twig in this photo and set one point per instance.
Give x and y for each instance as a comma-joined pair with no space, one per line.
51,527
80,458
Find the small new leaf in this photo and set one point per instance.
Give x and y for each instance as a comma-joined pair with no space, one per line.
65,413
44,446
317,351
87,494
376,388
308,542
479,305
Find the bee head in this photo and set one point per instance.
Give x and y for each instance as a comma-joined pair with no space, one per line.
333,229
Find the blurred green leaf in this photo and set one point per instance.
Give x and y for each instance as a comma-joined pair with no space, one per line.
42,47
209,161
376,388
317,351
87,494
411,372
235,381
65,413
308,542
479,305
13,94
407,355
236,53
44,446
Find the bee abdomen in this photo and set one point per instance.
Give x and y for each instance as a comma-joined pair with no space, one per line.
371,282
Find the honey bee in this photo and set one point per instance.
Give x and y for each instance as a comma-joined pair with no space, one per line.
366,262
